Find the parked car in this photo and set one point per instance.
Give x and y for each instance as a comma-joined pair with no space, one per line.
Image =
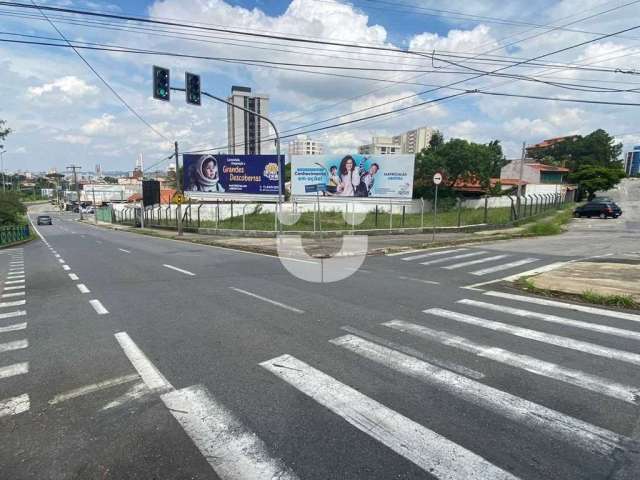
598,209
44,220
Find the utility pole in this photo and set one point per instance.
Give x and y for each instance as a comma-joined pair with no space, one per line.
142,199
95,207
2,168
178,189
75,181
520,180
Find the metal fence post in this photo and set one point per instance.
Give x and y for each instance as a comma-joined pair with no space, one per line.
486,209
244,225
376,217
390,215
525,204
459,202
421,214
199,207
512,210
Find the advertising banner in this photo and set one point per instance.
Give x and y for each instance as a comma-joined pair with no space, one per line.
227,175
382,176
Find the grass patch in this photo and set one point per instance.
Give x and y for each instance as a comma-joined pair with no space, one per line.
625,301
550,225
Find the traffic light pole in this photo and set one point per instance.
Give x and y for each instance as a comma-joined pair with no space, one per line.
178,189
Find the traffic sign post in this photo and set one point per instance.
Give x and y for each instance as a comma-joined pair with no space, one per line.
437,180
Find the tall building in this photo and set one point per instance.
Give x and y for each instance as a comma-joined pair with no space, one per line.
632,162
412,141
304,145
246,131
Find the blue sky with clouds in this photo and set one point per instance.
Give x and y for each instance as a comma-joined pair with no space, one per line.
61,113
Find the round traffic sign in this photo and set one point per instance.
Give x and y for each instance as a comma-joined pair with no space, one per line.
437,178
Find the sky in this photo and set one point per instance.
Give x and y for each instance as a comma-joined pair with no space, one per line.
61,113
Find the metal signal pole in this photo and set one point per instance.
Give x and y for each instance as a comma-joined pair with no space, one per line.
178,189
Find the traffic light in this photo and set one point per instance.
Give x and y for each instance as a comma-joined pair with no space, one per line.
161,89
192,88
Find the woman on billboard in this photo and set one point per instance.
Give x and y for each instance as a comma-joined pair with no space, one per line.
349,177
204,175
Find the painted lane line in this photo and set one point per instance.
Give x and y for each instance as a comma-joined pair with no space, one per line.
150,375
73,276
570,306
455,257
533,415
17,313
557,340
66,267
475,262
594,383
16,272
94,387
13,370
83,288
429,450
56,255
13,328
432,254
135,392
15,345
186,272
98,307
15,303
420,280
14,405
14,294
595,327
467,372
14,277
10,282
268,300
505,266
232,451
16,287
535,271
125,251
404,252
17,264
61,260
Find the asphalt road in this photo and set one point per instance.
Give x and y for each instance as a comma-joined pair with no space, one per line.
132,357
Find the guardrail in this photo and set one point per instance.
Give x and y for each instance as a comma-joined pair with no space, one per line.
13,233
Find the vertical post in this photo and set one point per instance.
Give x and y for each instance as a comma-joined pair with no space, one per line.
2,167
319,221
403,215
376,216
435,214
178,189
459,211
486,209
520,179
421,214
390,215
95,208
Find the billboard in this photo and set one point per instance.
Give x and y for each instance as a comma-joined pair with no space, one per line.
221,175
381,176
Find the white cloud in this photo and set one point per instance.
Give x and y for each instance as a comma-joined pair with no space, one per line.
95,126
70,86
479,38
73,139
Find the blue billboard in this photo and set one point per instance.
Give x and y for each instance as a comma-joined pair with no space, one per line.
217,175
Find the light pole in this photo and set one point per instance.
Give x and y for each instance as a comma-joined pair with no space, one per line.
2,168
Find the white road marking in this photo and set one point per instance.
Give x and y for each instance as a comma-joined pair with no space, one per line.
147,370
137,390
14,405
264,299
14,294
16,272
475,262
232,451
535,271
17,263
98,307
94,387
432,254
557,340
404,252
427,449
73,276
9,282
66,267
16,287
13,370
570,306
563,427
186,272
420,280
13,328
455,257
595,327
15,345
603,386
17,313
61,260
15,303
83,288
125,251
57,255
14,277
504,266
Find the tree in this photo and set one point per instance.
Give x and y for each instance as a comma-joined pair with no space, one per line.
4,132
11,208
592,179
110,179
457,160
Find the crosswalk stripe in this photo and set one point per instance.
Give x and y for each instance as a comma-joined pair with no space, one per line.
595,327
17,313
455,257
533,415
14,303
432,254
234,452
475,262
14,294
429,450
17,287
14,405
551,339
626,393
9,282
504,266
15,345
13,370
13,328
468,372
570,306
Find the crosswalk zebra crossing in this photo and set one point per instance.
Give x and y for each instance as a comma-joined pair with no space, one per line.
11,333
479,263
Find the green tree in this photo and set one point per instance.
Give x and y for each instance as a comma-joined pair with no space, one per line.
12,209
4,132
110,179
592,179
